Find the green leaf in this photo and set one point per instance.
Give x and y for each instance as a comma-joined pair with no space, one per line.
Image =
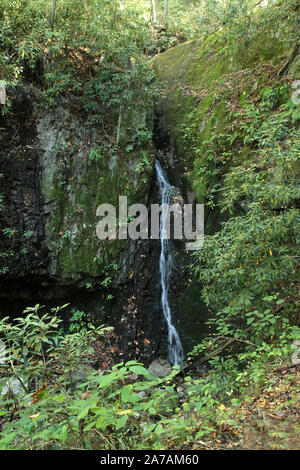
83,412
125,393
121,422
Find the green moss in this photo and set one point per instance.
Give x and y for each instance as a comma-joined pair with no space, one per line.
203,82
206,84
76,189
98,186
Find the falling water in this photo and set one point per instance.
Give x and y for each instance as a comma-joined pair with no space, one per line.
175,354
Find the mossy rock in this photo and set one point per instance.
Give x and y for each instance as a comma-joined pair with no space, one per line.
79,174
204,84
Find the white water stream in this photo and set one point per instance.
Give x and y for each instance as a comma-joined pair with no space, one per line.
175,350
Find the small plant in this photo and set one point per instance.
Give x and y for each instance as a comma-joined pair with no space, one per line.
9,232
143,134
66,235
144,164
28,233
95,155
78,321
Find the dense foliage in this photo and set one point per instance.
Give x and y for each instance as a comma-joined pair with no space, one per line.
89,48
55,400
256,252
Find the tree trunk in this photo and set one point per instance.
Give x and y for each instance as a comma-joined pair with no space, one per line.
52,17
154,12
166,11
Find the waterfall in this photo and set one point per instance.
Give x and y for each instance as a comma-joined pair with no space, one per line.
166,260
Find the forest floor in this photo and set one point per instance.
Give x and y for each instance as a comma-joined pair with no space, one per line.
267,420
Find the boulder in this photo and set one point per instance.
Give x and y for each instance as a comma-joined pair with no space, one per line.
160,368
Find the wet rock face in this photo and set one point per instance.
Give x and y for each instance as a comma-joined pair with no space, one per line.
30,139
140,329
51,188
21,218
